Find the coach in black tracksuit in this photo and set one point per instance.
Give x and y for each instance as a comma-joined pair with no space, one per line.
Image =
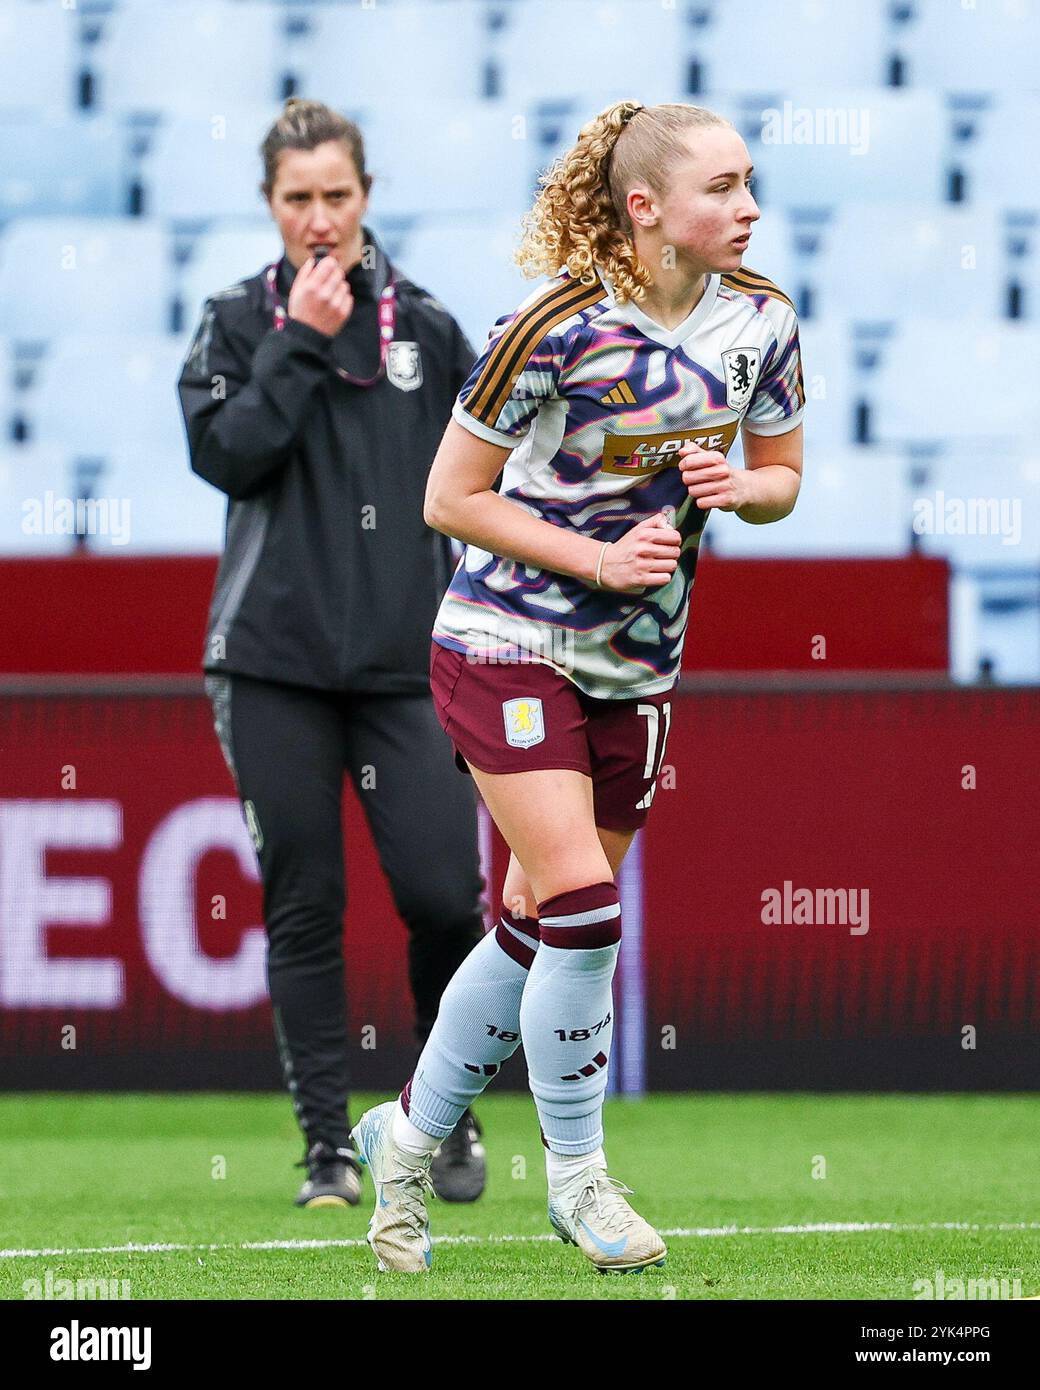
317,653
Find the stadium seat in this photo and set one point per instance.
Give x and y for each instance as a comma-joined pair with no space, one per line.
222,257
467,263
830,381
7,392
38,47
78,274
205,166
846,146
407,51
446,157
95,395
27,476
852,501
997,161
980,510
55,163
945,381
783,46
994,627
990,46
171,511
197,56
881,262
770,252
543,48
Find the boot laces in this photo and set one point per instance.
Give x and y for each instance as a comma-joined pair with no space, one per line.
413,1186
607,1196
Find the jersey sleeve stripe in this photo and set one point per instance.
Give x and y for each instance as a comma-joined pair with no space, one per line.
509,355
750,282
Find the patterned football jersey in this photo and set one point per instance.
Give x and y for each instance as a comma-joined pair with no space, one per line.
595,400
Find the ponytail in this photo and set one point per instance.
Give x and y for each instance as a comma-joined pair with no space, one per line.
580,219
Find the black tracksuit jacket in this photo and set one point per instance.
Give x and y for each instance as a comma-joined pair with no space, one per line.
330,578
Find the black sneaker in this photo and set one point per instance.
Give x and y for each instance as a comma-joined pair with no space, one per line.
459,1169
334,1177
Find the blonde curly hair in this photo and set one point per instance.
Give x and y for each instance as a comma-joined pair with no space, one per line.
579,219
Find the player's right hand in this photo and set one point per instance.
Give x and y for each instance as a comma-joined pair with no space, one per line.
320,296
644,557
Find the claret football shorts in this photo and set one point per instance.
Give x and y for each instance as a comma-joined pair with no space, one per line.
526,716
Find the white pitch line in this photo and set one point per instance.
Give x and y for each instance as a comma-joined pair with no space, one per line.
677,1232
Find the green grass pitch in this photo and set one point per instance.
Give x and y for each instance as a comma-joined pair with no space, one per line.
721,1175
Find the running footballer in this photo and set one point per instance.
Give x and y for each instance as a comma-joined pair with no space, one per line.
610,398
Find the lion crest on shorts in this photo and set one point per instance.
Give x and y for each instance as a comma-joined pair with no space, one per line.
525,723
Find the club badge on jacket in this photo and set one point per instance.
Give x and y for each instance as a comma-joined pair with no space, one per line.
404,366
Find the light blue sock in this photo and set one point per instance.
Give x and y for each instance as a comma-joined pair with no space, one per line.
477,1027
567,1015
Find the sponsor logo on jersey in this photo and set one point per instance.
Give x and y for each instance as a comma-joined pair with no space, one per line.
637,455
524,721
404,366
740,366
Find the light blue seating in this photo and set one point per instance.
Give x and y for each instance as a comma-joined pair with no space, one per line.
96,394
892,261
831,386
786,45
467,263
203,166
989,45
38,46
770,251
946,382
81,274
387,55
828,147
980,508
27,475
221,257
446,157
171,511
999,163
7,392
56,163
852,501
544,48
995,619
199,56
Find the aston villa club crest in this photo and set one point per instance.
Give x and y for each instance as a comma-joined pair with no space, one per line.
404,366
524,722
741,366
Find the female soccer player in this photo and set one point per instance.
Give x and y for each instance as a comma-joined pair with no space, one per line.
611,398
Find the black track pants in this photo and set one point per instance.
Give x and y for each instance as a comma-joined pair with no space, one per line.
288,747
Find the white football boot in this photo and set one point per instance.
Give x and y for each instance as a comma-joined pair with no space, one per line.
399,1231
591,1213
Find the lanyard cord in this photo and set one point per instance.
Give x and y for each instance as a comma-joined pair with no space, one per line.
387,323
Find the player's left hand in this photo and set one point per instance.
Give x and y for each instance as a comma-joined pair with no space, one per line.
710,481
